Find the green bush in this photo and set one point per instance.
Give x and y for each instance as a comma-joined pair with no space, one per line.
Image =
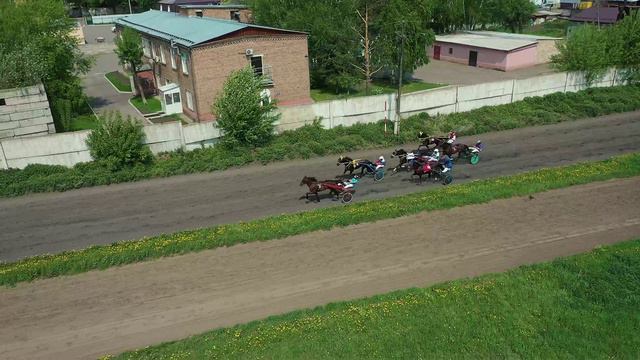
117,143
313,140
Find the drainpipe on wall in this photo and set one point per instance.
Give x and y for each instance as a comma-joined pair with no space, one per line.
193,84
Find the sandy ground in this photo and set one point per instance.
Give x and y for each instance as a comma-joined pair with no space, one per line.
91,314
444,72
54,222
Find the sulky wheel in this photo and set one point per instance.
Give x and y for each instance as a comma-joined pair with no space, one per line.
447,179
347,197
378,175
474,159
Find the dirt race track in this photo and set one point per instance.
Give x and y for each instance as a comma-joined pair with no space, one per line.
88,315
55,222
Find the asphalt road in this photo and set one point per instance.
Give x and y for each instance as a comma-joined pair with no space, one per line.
49,223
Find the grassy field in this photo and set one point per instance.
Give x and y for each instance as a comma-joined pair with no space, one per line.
378,87
83,122
583,307
119,80
153,104
276,227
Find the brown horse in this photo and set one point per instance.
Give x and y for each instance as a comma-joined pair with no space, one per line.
315,187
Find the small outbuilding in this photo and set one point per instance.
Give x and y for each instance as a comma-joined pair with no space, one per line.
494,50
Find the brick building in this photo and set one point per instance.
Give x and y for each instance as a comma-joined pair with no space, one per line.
240,13
198,53
174,5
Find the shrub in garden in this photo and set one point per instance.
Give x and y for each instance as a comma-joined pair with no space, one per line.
244,115
118,142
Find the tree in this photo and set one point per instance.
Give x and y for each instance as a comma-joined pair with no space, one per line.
243,114
512,14
585,51
624,40
36,44
399,25
118,142
129,51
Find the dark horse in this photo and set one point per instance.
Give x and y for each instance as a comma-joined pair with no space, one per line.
403,162
351,165
316,186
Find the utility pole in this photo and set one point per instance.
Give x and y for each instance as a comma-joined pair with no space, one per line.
130,12
396,128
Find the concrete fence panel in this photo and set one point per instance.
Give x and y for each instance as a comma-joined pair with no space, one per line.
197,136
163,137
484,91
539,86
65,149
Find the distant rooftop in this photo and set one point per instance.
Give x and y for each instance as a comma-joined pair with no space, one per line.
503,43
606,15
513,36
185,2
187,31
209,6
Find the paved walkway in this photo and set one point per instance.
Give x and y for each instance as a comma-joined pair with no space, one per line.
103,97
444,72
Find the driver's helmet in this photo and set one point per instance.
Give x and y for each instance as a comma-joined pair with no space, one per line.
381,158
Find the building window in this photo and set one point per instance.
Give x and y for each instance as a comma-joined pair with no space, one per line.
184,57
176,97
3,102
256,64
199,13
162,59
146,47
167,99
189,100
235,15
450,51
173,58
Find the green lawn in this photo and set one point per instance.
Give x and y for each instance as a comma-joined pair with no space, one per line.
83,122
153,104
378,87
169,118
582,307
119,80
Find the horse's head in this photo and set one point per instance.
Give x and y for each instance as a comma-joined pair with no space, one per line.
398,153
344,160
308,180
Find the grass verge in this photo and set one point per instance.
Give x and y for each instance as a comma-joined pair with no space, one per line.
584,307
119,81
377,88
153,104
83,122
313,140
276,227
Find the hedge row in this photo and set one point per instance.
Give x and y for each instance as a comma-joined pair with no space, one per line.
312,140
102,257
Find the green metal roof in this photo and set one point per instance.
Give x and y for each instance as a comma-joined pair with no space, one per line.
187,31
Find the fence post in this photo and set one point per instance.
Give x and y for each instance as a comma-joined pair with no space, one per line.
183,141
3,158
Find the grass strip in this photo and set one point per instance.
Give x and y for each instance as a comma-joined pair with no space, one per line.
153,104
583,307
276,227
313,140
119,81
377,88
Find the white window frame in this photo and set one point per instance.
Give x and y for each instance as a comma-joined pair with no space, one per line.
162,58
146,47
184,62
174,64
189,100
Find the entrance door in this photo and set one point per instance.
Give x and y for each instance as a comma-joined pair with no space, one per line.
436,52
473,58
